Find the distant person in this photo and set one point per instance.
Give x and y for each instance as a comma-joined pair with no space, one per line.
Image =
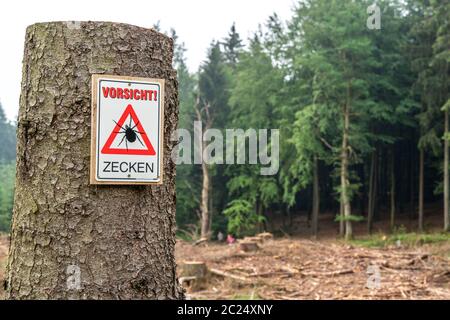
230,239
220,236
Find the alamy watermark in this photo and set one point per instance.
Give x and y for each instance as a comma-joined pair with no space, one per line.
228,146
374,277
73,280
374,19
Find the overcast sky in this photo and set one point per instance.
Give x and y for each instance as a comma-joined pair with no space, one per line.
197,23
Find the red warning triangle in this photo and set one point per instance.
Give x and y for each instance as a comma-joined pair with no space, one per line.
119,129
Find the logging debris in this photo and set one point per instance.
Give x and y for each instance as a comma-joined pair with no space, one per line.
326,269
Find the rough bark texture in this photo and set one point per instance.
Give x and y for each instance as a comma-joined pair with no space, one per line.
72,240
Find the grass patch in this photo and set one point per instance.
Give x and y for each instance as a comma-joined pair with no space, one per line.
405,239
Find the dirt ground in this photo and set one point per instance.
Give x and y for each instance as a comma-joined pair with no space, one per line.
327,268
304,269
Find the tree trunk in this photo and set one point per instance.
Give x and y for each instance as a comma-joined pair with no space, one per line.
289,212
341,218
260,212
412,209
344,175
370,205
72,240
204,204
421,177
205,231
392,193
375,187
446,186
316,198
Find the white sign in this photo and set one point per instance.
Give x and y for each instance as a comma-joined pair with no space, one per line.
127,126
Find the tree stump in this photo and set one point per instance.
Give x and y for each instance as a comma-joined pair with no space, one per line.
248,246
265,236
194,274
193,269
72,240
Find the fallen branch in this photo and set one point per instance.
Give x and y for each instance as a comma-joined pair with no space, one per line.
325,274
269,273
227,275
285,271
200,241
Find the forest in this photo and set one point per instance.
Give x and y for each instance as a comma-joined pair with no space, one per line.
362,114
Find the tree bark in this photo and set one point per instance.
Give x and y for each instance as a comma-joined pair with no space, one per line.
421,177
446,186
344,174
72,240
316,198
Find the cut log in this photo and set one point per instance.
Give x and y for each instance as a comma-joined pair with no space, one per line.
327,274
265,236
228,275
248,246
254,239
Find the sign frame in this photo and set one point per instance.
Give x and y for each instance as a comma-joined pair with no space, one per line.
93,148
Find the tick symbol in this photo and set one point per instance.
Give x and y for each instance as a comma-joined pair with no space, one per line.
129,133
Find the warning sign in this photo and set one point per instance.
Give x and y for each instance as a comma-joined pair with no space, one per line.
127,120
128,133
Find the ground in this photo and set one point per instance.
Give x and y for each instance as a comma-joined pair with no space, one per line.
386,265
303,269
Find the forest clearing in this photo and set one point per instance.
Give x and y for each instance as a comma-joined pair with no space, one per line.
295,268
